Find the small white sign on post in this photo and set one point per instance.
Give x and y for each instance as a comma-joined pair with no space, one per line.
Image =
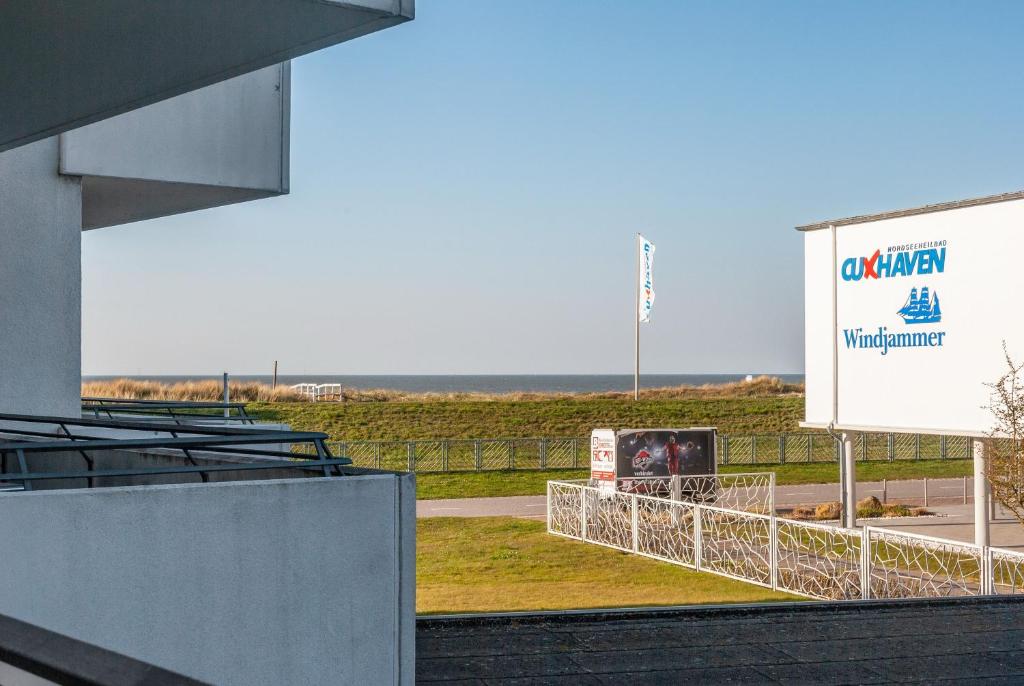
602,459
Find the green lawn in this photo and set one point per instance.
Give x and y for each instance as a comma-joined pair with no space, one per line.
493,564
533,482
530,419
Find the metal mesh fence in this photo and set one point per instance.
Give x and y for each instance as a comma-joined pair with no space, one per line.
443,455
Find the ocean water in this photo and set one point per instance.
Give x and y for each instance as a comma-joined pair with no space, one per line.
482,383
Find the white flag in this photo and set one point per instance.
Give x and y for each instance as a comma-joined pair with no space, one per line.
646,267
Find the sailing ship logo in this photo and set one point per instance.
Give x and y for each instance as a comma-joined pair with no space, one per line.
921,308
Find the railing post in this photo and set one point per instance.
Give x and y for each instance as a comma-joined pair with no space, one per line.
942,448
511,448
444,454
575,453
782,448
542,456
636,525
890,447
411,449
478,460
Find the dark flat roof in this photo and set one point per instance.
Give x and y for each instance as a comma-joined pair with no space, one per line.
925,209
861,642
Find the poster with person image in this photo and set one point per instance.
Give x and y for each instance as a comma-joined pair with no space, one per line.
664,452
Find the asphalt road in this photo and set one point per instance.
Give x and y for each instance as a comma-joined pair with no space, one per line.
940,492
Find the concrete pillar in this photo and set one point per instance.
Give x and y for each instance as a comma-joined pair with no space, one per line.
849,481
40,283
982,495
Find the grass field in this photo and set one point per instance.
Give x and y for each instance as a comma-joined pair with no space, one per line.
534,482
529,419
493,564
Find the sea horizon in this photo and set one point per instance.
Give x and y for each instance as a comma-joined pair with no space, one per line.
470,383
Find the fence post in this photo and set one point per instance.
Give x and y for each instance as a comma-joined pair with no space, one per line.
885,491
917,446
583,514
890,453
444,455
863,447
782,448
636,525
542,453
575,453
478,458
549,506
725,450
942,448
511,454
376,455
411,450
865,563
697,538
926,491
773,537
810,447
676,487
753,449
988,572
965,489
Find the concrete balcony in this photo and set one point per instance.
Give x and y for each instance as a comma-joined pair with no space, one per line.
206,553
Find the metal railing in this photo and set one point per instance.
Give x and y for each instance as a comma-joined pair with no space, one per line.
25,437
320,392
811,559
178,411
480,454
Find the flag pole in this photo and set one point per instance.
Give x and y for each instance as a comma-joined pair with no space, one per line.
636,326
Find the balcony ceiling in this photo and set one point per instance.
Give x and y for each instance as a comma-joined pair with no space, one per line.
64,63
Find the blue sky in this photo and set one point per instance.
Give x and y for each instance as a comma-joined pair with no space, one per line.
466,188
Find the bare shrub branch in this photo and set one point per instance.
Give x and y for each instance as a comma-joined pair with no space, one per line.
1004,452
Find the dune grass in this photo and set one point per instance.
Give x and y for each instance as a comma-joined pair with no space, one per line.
534,482
494,564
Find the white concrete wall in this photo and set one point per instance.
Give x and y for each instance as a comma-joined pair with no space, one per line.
221,144
40,283
298,581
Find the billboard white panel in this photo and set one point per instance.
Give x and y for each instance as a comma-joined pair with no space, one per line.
923,304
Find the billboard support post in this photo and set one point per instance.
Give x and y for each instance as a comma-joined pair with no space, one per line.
849,483
981,495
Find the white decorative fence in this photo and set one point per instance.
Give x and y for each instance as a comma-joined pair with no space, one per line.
749,543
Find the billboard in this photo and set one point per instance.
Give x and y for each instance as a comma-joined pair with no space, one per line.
906,314
602,458
664,452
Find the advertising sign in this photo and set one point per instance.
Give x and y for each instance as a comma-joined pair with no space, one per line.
664,452
602,458
922,305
